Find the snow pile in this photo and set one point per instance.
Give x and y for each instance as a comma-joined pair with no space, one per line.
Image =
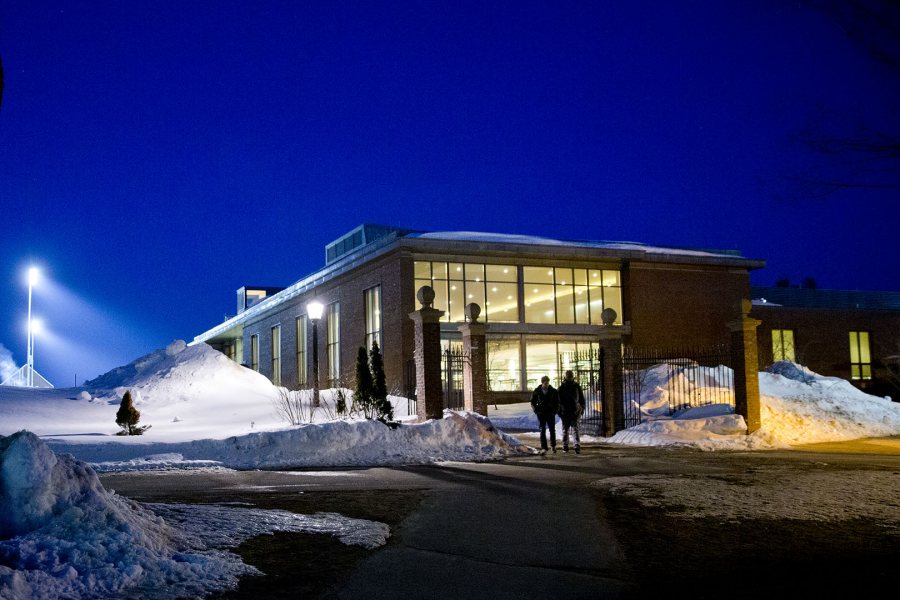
803,407
178,373
797,406
458,437
62,535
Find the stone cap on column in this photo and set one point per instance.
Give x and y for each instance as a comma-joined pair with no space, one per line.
608,330
427,314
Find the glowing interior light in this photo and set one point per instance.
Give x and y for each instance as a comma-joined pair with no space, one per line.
506,270
470,296
493,289
509,297
452,287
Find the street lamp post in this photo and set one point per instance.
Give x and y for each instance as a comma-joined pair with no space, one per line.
29,351
314,312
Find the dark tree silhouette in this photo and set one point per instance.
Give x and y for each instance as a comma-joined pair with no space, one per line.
128,416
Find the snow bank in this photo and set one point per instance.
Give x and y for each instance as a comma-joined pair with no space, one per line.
803,407
63,535
178,373
459,436
797,406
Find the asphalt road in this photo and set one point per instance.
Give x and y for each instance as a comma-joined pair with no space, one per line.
611,522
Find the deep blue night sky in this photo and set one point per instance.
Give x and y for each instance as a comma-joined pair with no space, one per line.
155,156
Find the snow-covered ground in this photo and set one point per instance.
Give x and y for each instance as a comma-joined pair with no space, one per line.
63,535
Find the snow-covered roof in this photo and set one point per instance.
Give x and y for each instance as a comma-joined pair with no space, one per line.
505,238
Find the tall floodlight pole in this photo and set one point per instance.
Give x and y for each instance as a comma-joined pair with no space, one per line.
314,312
32,279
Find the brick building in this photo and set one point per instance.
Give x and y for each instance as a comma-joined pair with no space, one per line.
540,299
854,335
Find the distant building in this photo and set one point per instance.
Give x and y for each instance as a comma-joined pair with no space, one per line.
850,334
540,298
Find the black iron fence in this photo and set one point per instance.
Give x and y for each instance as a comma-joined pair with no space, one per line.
662,382
409,377
586,367
452,364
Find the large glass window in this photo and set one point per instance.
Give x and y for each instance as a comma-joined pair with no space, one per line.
783,345
254,352
553,295
860,357
373,316
276,355
504,364
493,287
559,295
333,343
301,350
546,357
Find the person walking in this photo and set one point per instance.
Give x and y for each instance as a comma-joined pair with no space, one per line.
571,407
545,404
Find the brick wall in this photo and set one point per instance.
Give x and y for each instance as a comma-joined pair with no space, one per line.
822,341
397,332
671,306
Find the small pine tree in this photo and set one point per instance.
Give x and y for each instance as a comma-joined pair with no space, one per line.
128,416
383,407
362,396
340,406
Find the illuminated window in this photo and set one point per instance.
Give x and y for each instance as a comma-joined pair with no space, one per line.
783,345
276,355
301,350
254,352
547,357
860,357
492,287
373,316
333,343
562,295
503,364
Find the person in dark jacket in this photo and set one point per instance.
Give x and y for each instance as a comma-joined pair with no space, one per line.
545,404
571,407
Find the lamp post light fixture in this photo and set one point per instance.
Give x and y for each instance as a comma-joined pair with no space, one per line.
314,312
33,275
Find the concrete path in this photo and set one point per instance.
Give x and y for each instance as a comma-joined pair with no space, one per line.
487,536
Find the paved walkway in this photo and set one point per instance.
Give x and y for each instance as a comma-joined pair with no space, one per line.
552,544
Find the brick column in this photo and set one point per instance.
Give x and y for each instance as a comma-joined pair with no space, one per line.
746,366
429,393
475,367
613,387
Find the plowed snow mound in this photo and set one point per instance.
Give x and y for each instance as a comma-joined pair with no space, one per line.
179,373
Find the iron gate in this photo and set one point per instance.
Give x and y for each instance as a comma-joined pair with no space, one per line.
452,364
587,368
